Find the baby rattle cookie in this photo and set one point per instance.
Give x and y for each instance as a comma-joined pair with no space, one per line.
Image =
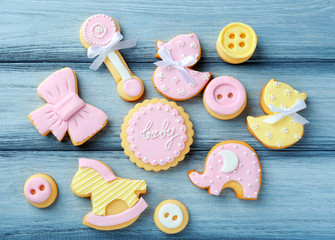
225,97
230,164
173,77
171,216
40,190
101,35
236,43
115,201
156,134
282,126
65,110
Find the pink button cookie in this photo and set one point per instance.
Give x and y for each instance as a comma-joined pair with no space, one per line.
225,98
230,164
40,190
156,134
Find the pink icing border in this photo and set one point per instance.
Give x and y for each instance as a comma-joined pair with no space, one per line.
223,86
112,220
104,171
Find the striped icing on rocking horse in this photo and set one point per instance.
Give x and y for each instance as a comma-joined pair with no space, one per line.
115,201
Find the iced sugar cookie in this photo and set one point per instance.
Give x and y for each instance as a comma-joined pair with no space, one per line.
171,216
101,35
65,110
283,126
40,190
225,97
173,77
230,164
156,134
115,201
236,43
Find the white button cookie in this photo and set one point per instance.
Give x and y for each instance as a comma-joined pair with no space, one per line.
171,216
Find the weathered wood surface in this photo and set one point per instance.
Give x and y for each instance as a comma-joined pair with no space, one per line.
296,45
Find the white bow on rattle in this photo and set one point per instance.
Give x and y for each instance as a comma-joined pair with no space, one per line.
102,52
291,112
167,60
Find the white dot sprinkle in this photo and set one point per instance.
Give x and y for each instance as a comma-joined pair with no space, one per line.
211,181
182,138
234,171
216,191
255,193
249,185
134,123
179,144
204,176
253,154
210,167
257,180
166,109
219,160
234,146
134,146
196,182
131,137
259,170
228,177
173,114
221,147
254,162
218,176
143,112
181,128
240,164
245,153
161,160
248,171
178,120
168,158
154,161
159,107
175,152
138,153
136,116
238,178
144,159
150,108
132,130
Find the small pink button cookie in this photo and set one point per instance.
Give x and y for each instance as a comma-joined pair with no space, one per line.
225,97
40,190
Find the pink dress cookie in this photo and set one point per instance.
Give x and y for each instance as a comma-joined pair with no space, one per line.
156,134
65,110
173,77
230,164
225,97
101,36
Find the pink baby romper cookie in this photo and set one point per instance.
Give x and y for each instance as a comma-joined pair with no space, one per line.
230,164
156,134
225,97
65,110
101,36
173,77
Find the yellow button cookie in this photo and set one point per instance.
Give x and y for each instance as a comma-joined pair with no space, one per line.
171,216
236,43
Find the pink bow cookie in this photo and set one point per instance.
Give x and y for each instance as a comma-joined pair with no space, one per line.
173,77
65,110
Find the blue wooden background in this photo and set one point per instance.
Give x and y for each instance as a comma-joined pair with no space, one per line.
296,45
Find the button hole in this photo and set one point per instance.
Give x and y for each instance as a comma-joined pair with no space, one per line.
166,215
230,95
232,36
219,96
42,188
243,35
231,46
242,44
175,217
32,192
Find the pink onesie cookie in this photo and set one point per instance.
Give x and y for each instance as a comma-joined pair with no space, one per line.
65,110
173,77
156,134
230,164
225,97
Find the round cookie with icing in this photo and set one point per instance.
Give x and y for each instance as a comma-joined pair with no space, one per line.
40,190
156,134
230,164
173,77
171,216
101,35
225,97
236,43
282,126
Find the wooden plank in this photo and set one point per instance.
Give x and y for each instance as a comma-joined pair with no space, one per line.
98,89
295,198
287,31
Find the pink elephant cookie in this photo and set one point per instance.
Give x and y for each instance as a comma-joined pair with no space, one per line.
232,164
173,77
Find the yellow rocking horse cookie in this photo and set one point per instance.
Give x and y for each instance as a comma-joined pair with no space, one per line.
283,126
115,201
